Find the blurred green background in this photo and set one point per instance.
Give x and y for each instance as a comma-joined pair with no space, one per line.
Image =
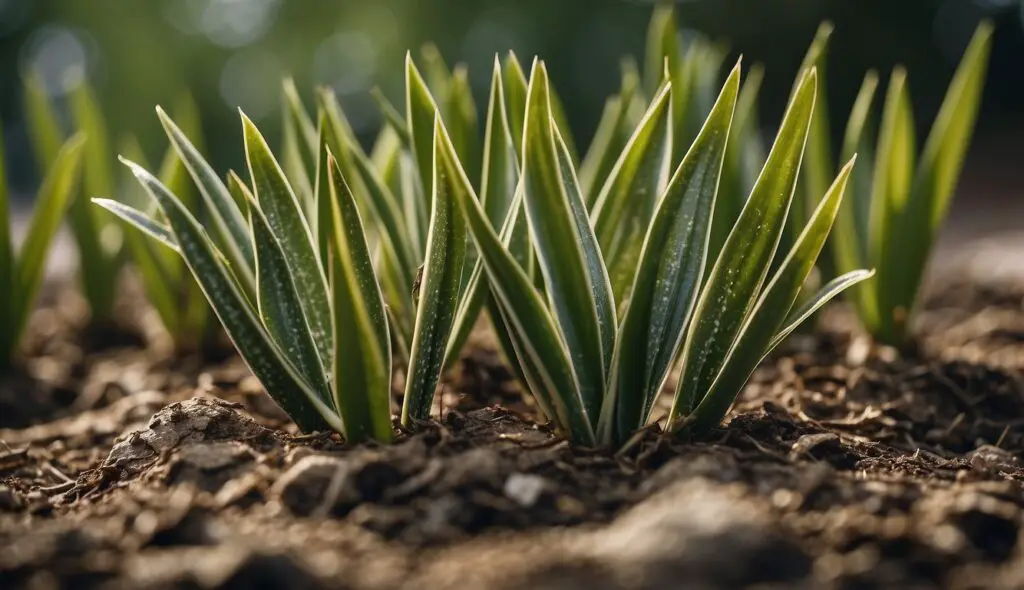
232,53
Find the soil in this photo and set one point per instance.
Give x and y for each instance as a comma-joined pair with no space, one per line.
842,465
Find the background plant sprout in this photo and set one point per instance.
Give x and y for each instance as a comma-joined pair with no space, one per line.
899,197
98,240
176,297
22,270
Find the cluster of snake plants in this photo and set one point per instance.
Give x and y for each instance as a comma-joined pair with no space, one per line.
287,264
21,269
624,289
899,198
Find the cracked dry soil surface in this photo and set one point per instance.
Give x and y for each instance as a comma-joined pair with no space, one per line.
841,466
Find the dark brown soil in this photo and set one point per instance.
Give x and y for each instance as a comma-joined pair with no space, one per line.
842,466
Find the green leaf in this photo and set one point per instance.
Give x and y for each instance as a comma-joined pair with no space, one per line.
739,273
893,175
498,187
462,121
391,116
442,278
278,301
362,349
230,229
141,221
662,44
515,89
818,165
537,346
98,242
288,224
160,282
256,347
755,338
299,148
848,244
577,283
613,131
626,204
52,201
940,166
743,161
44,130
668,276
420,110
6,254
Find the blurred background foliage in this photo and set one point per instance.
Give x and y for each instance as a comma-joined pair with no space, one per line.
232,53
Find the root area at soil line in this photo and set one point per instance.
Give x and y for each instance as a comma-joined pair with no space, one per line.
842,465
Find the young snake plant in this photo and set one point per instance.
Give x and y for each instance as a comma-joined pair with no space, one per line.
598,342
899,197
21,270
291,275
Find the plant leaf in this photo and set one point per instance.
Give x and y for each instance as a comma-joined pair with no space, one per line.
626,204
362,348
299,149
515,96
940,166
278,301
463,121
420,110
668,275
610,137
231,231
44,132
737,276
285,217
442,279
755,338
141,221
577,283
538,347
52,201
97,246
498,187
280,379
6,260
893,175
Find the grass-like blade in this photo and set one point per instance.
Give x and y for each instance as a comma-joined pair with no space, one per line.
940,165
770,312
442,278
515,84
362,349
44,130
285,215
231,230
53,199
570,259
848,247
97,241
818,165
626,204
6,257
890,190
739,273
668,276
256,347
